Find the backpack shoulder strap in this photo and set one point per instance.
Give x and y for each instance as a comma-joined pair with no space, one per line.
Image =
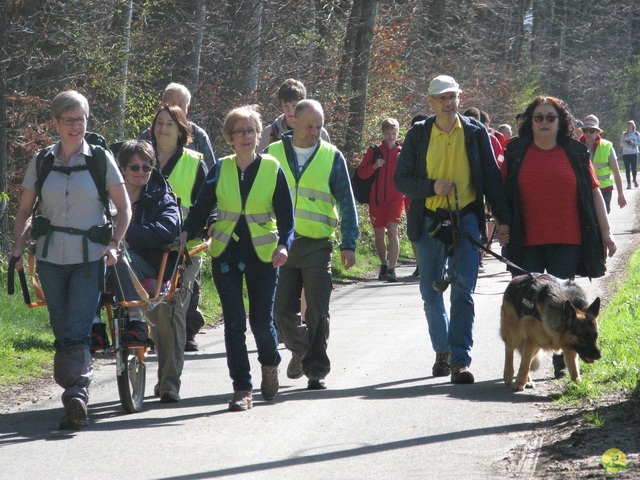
97,166
377,152
44,162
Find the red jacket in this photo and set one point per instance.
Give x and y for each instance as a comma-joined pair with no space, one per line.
383,189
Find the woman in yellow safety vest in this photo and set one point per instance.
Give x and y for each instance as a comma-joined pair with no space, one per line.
250,240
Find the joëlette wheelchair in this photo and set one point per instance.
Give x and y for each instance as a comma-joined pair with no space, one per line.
130,360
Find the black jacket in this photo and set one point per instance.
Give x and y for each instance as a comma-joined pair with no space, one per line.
593,259
156,221
412,179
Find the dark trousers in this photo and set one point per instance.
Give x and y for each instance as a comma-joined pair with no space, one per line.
261,280
308,266
630,167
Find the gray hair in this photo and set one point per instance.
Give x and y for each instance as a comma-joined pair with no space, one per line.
69,100
177,88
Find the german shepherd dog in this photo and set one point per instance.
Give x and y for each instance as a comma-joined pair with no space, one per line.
542,312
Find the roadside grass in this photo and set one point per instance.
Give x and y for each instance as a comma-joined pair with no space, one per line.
26,340
619,368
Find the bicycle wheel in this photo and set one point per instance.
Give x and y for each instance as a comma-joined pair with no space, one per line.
131,378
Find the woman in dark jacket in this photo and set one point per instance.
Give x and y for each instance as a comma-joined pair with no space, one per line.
155,223
560,222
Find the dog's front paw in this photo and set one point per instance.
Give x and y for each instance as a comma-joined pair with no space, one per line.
518,387
508,380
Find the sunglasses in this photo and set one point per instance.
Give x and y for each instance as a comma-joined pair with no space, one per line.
145,168
589,130
546,118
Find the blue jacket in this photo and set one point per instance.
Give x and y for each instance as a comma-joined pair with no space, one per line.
156,221
412,179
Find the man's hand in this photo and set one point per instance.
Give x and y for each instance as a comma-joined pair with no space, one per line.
348,258
444,187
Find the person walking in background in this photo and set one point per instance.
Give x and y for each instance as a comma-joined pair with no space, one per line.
179,95
321,189
560,223
385,202
185,172
290,93
447,163
67,254
505,130
250,241
630,143
604,160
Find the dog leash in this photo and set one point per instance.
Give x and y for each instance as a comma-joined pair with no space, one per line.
496,255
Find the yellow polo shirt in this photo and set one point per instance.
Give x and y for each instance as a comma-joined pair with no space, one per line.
447,160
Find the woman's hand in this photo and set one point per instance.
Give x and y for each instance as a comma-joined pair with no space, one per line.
610,244
444,187
502,234
17,253
110,253
280,256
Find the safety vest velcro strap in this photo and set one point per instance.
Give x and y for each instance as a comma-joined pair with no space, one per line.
259,218
312,194
227,215
316,217
265,239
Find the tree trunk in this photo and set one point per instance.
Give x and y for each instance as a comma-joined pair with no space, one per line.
360,76
346,62
122,22
194,63
243,44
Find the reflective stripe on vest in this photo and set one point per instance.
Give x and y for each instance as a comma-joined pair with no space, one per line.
601,163
258,209
316,214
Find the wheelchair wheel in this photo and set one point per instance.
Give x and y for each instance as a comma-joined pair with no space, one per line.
131,378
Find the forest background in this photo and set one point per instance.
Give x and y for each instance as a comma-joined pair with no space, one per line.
364,60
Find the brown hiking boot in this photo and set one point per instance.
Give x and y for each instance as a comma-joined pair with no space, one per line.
294,370
242,400
442,368
461,374
269,386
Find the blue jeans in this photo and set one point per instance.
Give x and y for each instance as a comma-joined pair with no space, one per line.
261,279
454,331
72,299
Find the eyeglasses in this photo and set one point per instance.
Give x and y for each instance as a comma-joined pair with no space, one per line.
145,168
445,99
589,130
244,133
547,118
70,122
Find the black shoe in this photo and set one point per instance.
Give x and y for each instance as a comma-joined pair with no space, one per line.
559,366
169,397
99,338
316,383
460,374
191,346
383,272
441,368
136,335
391,275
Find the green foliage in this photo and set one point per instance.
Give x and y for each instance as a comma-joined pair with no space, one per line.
625,97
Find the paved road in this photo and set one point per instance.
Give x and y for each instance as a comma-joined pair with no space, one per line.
383,415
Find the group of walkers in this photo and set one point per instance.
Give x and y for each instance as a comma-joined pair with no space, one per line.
272,209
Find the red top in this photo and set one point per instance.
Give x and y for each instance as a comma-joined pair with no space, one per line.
383,187
548,194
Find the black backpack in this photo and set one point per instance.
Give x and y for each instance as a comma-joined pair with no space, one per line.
97,168
362,186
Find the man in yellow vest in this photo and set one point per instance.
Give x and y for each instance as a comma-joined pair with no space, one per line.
604,160
321,190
